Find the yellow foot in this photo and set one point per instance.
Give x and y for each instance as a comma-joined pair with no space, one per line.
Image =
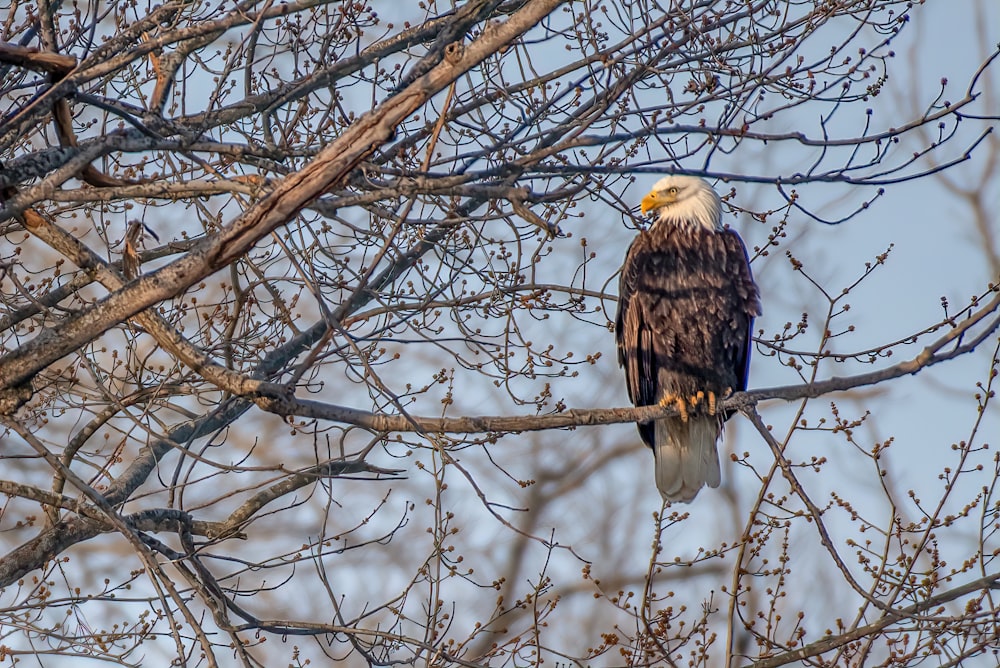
696,400
676,402
685,406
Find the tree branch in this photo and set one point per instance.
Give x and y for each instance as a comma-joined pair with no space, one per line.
287,405
330,167
889,618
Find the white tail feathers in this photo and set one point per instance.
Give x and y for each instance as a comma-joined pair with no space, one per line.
686,456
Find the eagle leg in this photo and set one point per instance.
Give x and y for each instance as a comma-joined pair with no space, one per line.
712,403
676,402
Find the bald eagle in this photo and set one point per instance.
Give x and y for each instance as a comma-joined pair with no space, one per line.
686,306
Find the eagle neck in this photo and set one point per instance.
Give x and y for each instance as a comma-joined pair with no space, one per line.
688,225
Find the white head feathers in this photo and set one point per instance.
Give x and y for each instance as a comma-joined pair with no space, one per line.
687,201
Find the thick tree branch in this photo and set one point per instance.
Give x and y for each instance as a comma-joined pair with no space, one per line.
932,354
329,168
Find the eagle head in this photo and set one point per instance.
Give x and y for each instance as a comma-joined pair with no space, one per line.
686,201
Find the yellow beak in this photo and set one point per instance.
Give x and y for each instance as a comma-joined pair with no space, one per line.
655,200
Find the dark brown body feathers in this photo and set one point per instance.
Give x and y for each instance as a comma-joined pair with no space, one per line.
686,308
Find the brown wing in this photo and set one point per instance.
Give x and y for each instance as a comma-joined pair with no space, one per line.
746,298
636,338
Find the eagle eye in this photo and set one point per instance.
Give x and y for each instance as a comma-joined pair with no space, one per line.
672,190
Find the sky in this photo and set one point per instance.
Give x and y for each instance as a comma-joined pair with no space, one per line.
936,253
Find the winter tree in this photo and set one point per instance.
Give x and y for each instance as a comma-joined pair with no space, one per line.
306,314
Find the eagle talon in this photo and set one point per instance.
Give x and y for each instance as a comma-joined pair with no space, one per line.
677,403
697,399
712,403
682,409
